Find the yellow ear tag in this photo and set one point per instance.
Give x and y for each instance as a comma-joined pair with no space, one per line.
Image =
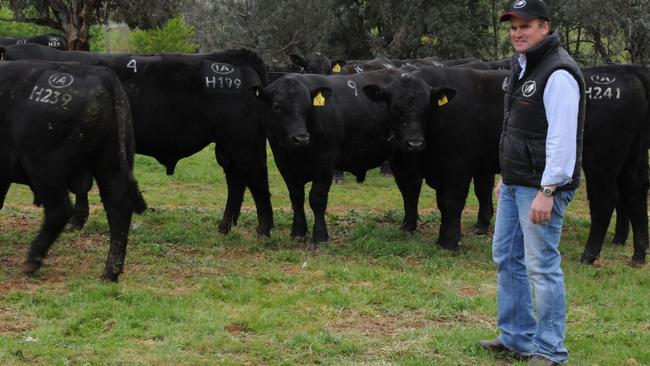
319,100
336,68
442,101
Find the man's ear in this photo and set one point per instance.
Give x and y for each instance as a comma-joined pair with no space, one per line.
440,96
375,93
297,60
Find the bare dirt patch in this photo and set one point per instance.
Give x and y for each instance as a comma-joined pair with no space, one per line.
379,325
12,323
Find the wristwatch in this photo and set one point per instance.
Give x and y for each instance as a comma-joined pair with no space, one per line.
548,191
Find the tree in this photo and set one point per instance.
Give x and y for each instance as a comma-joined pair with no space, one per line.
74,17
174,36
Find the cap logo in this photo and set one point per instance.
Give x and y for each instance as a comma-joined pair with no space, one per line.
529,88
519,4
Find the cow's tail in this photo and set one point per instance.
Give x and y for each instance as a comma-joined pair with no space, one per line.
127,146
644,75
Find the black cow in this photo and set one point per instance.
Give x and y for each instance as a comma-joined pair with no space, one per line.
59,123
50,40
318,123
615,153
182,103
462,142
615,158
315,63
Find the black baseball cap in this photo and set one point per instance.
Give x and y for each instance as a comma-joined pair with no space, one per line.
527,10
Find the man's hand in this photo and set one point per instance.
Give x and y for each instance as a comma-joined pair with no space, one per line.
497,189
540,210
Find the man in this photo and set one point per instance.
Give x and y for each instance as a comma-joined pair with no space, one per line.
540,154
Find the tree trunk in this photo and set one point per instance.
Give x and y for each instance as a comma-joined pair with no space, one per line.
75,19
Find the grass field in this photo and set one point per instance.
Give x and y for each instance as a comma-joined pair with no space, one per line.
372,296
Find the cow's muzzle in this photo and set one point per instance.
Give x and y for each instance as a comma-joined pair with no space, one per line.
414,144
300,140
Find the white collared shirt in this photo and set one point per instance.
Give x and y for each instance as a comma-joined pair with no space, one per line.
562,105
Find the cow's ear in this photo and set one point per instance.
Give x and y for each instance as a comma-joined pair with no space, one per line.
258,92
297,60
320,95
323,90
337,65
442,95
375,93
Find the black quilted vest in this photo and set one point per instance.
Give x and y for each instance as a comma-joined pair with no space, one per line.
522,150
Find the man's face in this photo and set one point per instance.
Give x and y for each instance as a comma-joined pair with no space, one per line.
525,34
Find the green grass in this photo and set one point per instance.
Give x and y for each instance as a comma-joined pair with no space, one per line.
372,296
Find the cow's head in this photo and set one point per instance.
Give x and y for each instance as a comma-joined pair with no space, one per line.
410,100
290,105
316,63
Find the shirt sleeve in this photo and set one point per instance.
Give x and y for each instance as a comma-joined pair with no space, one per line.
562,104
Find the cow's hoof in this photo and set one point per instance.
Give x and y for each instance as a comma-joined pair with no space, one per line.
588,259
448,245
110,276
264,232
616,240
636,263
73,225
298,238
223,228
480,230
409,229
30,266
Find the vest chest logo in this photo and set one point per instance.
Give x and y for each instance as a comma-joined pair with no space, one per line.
519,4
529,88
602,79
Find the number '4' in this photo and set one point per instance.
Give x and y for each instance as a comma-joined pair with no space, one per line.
132,65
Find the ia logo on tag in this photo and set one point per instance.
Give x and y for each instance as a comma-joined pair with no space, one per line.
60,80
529,88
602,79
222,69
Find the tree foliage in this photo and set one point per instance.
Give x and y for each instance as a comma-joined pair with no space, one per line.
174,36
74,18
592,30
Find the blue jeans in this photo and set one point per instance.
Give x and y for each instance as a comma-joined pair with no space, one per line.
526,252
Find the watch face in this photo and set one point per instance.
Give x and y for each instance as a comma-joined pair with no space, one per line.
547,191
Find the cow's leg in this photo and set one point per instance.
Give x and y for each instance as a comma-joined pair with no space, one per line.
409,182
114,194
318,203
601,192
634,194
257,180
451,198
4,188
483,187
339,176
236,188
622,224
81,188
58,210
299,222
386,169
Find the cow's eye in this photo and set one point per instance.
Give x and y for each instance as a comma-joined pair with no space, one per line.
276,107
